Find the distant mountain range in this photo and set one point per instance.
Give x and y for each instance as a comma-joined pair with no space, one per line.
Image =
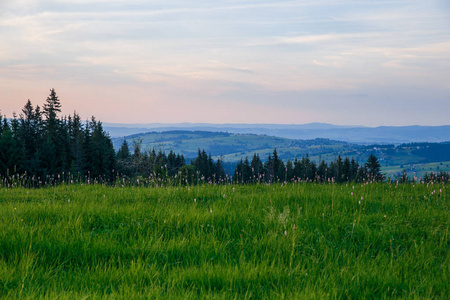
352,134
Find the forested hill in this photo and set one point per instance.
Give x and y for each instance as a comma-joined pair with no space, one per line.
232,147
351,134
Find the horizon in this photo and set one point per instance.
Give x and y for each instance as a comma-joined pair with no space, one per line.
372,63
225,124
269,124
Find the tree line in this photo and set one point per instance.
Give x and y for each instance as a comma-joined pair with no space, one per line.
40,145
136,162
274,170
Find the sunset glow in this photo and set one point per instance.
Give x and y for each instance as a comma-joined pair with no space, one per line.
261,61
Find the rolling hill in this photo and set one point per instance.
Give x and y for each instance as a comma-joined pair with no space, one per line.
351,134
231,147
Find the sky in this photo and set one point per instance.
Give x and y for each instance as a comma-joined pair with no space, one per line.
370,63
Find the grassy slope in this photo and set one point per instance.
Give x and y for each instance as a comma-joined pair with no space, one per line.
298,240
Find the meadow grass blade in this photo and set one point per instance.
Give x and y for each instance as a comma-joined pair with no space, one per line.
301,240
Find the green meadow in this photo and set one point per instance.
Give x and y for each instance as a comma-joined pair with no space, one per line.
293,241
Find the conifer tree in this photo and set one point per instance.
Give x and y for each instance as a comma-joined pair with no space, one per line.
308,169
102,152
269,169
339,166
257,166
246,170
373,168
278,166
220,172
29,136
171,163
354,166
289,171
332,170
298,169
77,140
124,151
52,127
322,171
346,170
51,108
9,151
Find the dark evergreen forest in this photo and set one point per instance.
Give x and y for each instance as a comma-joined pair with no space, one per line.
42,147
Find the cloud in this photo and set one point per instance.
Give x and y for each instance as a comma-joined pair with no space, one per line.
234,52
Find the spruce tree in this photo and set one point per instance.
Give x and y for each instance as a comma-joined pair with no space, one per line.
247,171
77,140
102,152
373,168
339,167
257,166
354,166
220,172
322,171
298,169
10,155
278,166
289,170
124,151
51,109
269,169
54,159
346,170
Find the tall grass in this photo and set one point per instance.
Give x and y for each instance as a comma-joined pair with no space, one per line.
299,240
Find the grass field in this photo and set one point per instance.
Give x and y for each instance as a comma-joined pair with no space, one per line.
225,242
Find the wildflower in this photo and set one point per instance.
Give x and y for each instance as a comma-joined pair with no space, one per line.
233,190
195,200
210,210
385,216
285,233
223,196
362,198
359,202
352,193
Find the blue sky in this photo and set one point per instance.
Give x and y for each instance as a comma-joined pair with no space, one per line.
344,62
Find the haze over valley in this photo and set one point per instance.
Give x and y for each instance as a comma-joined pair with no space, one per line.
351,134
